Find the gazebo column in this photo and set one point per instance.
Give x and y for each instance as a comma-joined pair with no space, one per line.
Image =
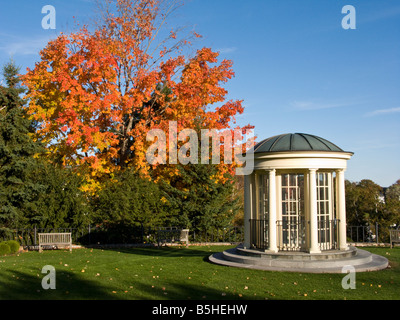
272,211
248,198
312,191
341,208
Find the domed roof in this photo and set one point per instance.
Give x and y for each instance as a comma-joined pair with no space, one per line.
295,142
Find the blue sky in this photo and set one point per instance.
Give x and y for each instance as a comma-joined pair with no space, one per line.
297,69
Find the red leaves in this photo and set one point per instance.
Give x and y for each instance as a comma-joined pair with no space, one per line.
104,91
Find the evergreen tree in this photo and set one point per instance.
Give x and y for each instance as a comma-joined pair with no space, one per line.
17,154
125,205
61,202
198,201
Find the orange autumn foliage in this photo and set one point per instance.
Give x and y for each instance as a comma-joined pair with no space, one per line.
95,94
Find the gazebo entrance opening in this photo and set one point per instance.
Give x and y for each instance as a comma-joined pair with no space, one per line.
293,211
327,224
292,227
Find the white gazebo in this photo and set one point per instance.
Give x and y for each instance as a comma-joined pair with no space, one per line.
295,197
295,209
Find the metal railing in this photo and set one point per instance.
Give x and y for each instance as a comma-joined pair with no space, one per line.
328,234
136,235
370,233
231,234
363,234
259,234
291,234
30,236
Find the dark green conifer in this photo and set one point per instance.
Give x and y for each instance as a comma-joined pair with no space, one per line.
17,153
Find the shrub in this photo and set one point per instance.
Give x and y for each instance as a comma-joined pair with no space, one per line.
14,246
4,248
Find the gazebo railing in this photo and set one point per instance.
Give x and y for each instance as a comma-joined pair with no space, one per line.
328,234
291,234
259,234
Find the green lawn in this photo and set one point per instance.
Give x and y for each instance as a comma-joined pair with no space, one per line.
179,273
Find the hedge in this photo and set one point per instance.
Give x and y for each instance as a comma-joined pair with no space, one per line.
14,245
4,249
7,247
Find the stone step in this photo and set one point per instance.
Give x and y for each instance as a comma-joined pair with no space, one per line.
298,256
293,255
360,258
362,261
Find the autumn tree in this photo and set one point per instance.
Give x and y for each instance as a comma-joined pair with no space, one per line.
392,199
97,92
363,202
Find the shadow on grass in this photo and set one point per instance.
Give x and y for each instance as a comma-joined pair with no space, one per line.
69,286
183,292
17,285
167,252
26,283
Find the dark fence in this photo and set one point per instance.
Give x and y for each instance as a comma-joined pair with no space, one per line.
360,234
328,231
230,234
29,237
373,233
122,235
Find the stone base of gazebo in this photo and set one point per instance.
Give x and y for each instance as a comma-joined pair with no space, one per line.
326,262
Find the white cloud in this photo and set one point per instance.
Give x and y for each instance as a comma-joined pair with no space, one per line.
311,105
23,46
382,112
380,14
374,145
227,50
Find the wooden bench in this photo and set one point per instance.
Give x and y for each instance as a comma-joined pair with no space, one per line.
172,235
55,240
394,237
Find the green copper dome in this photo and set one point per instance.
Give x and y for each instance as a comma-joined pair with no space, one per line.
295,142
